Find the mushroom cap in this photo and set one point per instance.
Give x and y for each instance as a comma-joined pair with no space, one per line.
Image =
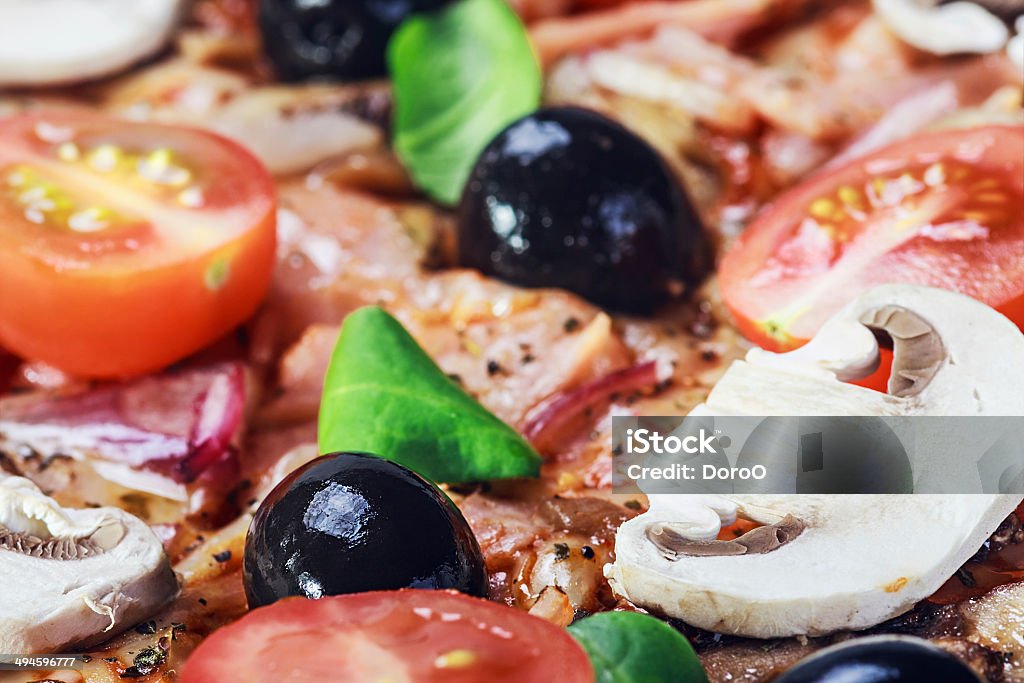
953,355
854,560
57,600
66,41
860,560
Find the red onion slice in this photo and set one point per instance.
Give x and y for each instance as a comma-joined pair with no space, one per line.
550,416
177,424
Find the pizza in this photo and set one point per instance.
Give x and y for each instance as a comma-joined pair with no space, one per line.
321,322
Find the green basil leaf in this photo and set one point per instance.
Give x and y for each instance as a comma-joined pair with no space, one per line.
384,395
460,76
629,647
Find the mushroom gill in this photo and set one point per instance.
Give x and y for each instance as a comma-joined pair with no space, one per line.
62,548
918,351
759,541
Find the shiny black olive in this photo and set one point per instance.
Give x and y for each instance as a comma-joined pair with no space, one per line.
332,39
881,659
353,522
566,197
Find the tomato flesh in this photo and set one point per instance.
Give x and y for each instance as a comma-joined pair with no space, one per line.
126,246
408,636
940,209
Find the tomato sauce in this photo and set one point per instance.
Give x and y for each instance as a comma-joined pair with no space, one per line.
977,578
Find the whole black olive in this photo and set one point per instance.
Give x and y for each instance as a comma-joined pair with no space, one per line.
332,39
566,197
881,659
353,522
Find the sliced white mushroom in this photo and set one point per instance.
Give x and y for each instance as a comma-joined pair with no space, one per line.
957,27
823,563
952,357
65,41
73,578
1015,48
829,563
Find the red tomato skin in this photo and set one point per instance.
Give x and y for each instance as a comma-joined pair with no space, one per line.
753,308
118,322
109,330
879,379
416,621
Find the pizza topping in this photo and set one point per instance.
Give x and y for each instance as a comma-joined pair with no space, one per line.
50,548
942,362
903,659
352,522
548,421
105,219
383,394
32,524
408,636
936,209
944,344
758,541
84,39
943,29
1015,48
75,576
1007,10
454,92
630,647
568,198
155,434
289,129
799,591
998,617
332,39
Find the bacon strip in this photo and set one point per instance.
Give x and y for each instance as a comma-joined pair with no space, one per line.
178,424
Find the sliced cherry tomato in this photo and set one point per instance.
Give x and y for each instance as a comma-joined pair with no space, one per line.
126,246
879,379
940,209
408,636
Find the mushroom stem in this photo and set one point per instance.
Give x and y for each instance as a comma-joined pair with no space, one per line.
824,563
